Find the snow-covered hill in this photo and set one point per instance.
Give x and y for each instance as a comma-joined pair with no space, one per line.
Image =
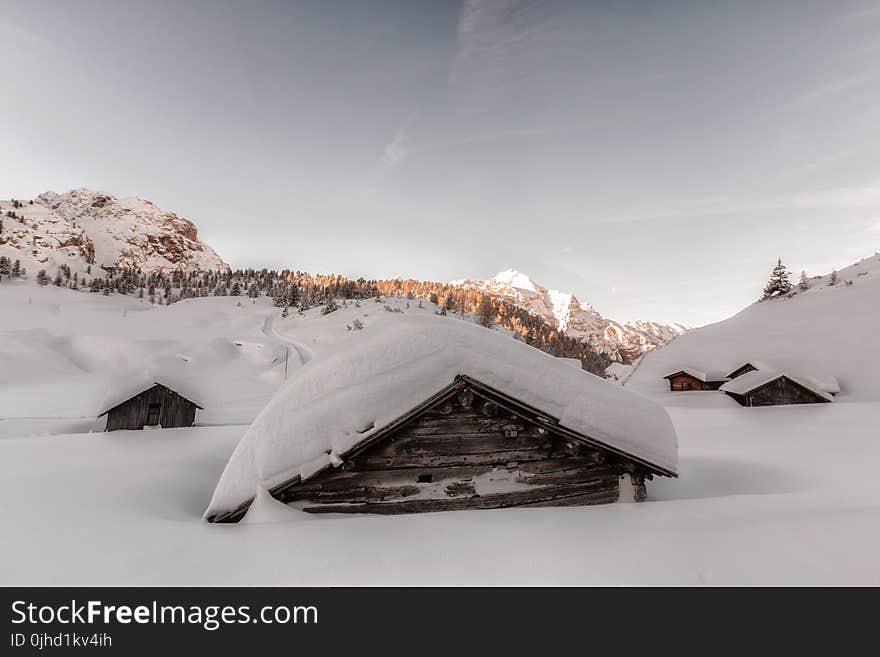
621,341
756,486
82,227
826,328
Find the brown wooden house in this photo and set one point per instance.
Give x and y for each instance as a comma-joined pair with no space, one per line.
469,446
692,379
151,406
774,388
745,368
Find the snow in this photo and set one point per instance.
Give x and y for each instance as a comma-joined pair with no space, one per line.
752,380
765,496
618,372
68,228
826,332
824,381
339,401
563,310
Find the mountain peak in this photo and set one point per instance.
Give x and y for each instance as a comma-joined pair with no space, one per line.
621,341
515,278
83,227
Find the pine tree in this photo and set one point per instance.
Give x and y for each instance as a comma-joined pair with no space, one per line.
329,307
42,278
834,278
486,311
802,283
779,283
285,313
236,290
15,272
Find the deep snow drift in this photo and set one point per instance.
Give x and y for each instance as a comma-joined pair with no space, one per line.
777,495
825,329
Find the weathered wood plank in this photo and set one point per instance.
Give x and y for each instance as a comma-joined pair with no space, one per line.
463,443
600,489
356,494
407,461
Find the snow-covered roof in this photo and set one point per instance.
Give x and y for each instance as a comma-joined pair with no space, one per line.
124,388
826,381
753,380
699,374
334,403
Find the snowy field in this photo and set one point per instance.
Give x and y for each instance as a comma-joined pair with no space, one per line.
766,496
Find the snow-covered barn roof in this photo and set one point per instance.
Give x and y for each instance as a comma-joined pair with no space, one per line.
125,388
826,381
335,403
699,374
753,380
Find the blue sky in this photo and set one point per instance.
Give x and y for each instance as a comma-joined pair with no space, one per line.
653,158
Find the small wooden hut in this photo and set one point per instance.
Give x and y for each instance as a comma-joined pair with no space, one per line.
433,415
744,368
468,435
688,378
155,405
774,388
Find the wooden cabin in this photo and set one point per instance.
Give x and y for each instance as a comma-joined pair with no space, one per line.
773,388
467,447
745,368
691,379
154,406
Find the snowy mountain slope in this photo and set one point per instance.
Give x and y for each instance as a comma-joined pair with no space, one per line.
621,341
82,227
826,328
40,239
754,487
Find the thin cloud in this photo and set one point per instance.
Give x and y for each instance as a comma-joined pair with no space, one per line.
830,90
841,198
398,148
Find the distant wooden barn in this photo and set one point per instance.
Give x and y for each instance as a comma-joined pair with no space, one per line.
155,405
688,378
469,435
773,388
745,368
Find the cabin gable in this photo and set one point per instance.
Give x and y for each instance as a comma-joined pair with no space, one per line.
155,406
685,381
744,369
780,391
466,448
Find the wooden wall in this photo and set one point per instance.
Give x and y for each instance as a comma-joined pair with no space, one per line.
779,392
685,382
745,369
464,453
174,410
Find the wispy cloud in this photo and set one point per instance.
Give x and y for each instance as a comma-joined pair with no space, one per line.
398,148
830,90
818,164
840,198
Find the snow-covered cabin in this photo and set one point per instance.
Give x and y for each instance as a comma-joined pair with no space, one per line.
813,375
143,403
774,388
435,414
690,378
